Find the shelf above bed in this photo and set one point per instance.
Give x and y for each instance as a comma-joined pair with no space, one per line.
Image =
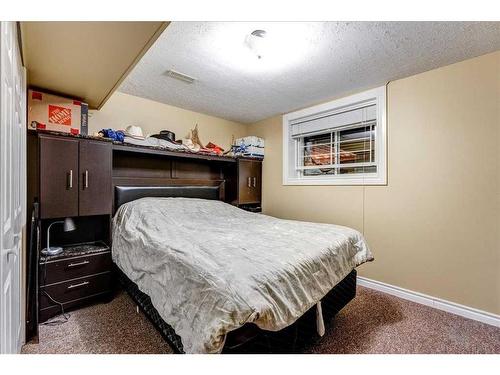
146,150
175,154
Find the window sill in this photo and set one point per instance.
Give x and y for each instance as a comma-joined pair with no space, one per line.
340,181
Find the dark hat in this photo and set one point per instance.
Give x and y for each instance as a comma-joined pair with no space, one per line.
166,135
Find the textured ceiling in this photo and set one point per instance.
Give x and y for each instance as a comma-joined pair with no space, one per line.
306,63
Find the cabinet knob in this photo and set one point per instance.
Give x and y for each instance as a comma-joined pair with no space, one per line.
249,181
254,182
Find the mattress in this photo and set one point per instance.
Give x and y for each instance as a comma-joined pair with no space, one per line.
209,267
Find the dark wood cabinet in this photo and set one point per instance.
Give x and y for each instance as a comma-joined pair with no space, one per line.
95,178
249,182
58,177
75,177
67,176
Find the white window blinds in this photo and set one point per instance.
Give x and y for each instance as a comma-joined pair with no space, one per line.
325,122
347,150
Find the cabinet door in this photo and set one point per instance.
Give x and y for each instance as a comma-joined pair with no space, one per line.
249,179
257,181
95,178
58,177
245,181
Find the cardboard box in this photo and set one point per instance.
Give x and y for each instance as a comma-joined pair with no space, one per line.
55,113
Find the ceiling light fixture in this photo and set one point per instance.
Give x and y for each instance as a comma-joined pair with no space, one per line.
256,41
259,47
180,76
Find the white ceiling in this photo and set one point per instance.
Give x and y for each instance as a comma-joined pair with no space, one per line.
307,62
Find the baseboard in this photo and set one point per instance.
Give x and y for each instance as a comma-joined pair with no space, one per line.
437,303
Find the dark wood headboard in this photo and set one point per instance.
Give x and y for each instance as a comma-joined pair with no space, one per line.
124,194
137,175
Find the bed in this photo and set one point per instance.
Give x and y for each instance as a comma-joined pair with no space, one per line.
206,272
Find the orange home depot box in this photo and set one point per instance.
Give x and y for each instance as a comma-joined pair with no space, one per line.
51,112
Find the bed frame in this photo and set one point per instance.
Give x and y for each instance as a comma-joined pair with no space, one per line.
249,338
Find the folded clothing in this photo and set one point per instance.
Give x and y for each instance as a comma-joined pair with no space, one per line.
115,135
251,140
250,146
154,142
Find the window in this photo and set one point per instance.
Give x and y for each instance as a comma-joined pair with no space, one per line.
338,143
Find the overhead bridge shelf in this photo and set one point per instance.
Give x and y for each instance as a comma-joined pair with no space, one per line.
175,154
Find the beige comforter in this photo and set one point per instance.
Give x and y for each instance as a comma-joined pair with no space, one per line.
210,267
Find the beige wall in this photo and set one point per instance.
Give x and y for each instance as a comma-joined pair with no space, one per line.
435,228
122,110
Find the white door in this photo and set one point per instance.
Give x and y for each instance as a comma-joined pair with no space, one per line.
12,187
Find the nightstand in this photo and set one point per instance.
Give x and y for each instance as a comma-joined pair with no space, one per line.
81,274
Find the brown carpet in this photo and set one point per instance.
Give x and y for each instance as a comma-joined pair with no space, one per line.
373,322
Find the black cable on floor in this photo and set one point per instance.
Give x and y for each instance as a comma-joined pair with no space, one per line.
56,322
66,317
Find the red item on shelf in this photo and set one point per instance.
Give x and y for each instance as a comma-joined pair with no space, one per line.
214,148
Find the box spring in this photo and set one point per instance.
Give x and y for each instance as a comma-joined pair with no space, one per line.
250,338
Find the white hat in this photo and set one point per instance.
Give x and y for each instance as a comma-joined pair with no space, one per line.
189,144
134,132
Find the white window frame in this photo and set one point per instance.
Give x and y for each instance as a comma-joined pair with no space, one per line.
375,96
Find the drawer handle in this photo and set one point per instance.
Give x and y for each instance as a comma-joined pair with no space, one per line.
249,182
78,264
254,182
85,283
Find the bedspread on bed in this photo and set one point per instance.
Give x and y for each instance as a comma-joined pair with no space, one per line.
209,267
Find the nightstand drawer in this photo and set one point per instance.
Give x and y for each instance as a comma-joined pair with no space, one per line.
71,268
75,289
